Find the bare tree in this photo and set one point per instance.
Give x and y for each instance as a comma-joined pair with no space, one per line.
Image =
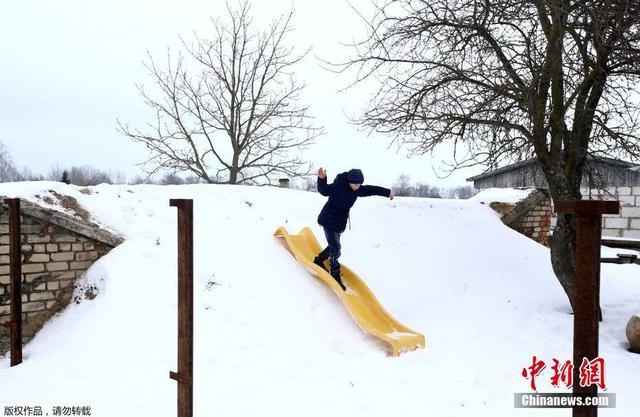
463,192
402,186
171,179
26,174
426,191
139,179
8,171
505,80
228,109
87,175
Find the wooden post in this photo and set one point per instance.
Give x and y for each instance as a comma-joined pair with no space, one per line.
587,298
15,274
184,376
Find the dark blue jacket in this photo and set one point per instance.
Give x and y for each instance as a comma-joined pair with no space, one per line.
335,212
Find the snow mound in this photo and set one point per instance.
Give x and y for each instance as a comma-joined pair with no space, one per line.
502,195
272,340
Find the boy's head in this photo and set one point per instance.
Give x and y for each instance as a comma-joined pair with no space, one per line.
355,178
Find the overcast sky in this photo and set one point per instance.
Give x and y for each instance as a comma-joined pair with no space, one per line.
69,68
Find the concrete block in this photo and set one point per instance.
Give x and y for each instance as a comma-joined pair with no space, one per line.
616,223
62,256
630,211
41,296
624,191
80,265
30,229
33,306
57,266
86,256
65,284
31,268
64,238
64,275
33,277
634,234
39,257
612,232
627,200
38,239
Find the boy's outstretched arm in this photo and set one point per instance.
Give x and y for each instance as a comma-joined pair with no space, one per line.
368,190
323,188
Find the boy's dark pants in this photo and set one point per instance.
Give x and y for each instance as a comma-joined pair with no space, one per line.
332,251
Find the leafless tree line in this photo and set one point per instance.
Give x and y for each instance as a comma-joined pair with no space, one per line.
84,175
403,187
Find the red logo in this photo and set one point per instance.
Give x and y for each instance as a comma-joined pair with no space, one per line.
591,372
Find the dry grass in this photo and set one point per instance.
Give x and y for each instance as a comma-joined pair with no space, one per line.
502,208
72,204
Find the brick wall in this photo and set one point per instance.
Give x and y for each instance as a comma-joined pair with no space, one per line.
53,259
530,216
627,223
536,224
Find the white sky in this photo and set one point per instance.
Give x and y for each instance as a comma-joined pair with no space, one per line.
69,67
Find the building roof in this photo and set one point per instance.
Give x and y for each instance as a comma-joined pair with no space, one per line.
534,160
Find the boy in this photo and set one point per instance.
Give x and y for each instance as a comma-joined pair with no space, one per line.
344,191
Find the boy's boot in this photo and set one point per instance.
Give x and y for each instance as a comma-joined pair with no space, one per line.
320,262
335,273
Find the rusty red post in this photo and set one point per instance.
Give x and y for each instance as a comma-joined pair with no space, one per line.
15,288
587,297
184,376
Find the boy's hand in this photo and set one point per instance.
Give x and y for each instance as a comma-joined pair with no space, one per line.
322,173
391,195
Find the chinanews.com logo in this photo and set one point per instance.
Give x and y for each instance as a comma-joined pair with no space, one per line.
591,372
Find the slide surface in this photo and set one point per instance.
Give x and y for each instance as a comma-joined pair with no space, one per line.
363,306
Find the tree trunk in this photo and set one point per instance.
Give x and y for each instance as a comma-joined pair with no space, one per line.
563,254
233,171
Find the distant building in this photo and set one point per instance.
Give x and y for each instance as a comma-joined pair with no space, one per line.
600,173
604,178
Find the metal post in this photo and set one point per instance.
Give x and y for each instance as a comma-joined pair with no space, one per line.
15,273
184,376
587,298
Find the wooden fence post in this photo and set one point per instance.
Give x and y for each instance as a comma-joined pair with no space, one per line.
15,273
184,376
587,298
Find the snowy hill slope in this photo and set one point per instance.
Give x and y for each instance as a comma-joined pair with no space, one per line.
270,340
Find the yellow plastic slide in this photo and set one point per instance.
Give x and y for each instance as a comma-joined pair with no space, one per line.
363,306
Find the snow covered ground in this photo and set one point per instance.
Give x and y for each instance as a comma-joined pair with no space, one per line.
271,340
